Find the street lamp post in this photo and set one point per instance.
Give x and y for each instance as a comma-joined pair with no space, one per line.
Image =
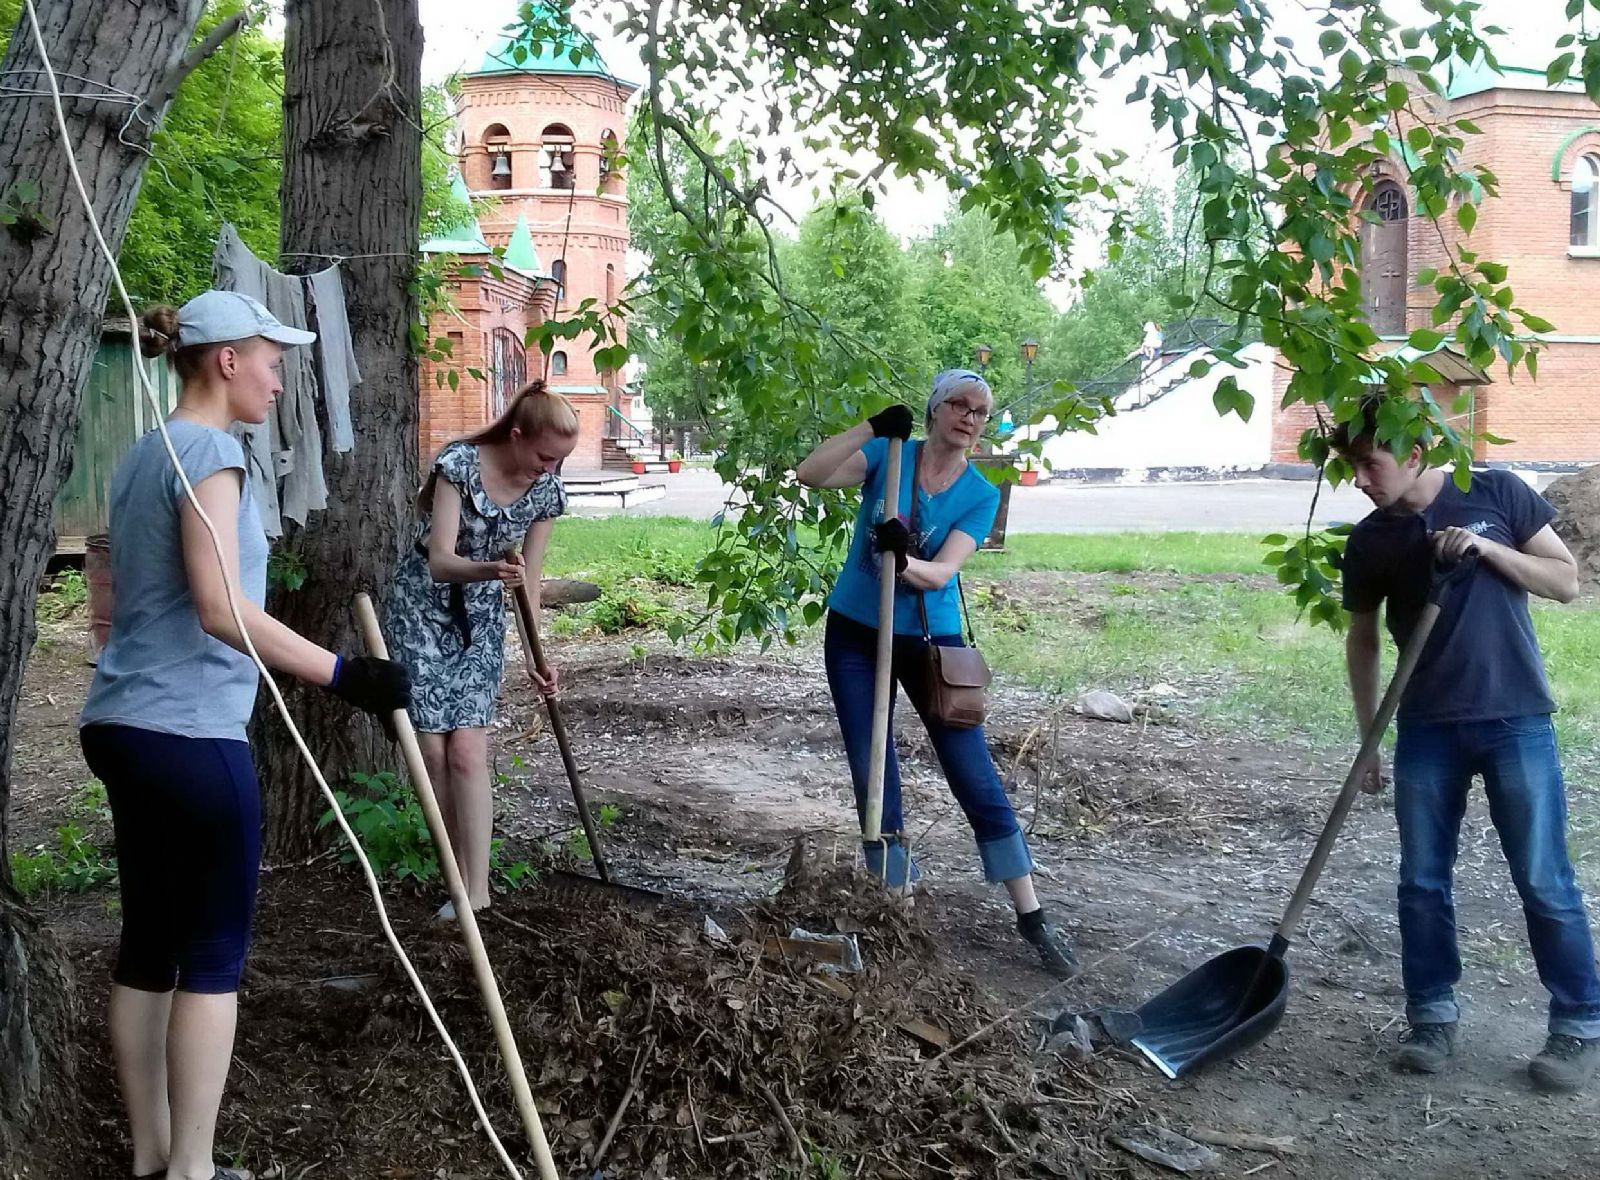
985,353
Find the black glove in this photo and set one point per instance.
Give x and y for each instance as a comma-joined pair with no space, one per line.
372,685
894,422
892,536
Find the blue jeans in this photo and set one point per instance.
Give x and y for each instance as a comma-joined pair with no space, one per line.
1433,767
850,652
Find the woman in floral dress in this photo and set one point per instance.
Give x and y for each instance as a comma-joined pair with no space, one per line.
487,496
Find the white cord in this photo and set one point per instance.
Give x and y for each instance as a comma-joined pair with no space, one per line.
238,618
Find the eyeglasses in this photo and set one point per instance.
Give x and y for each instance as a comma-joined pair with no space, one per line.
971,413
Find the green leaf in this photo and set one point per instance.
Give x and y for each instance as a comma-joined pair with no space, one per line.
1467,215
1425,340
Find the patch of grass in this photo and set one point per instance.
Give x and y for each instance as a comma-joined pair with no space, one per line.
663,548
1177,553
1245,663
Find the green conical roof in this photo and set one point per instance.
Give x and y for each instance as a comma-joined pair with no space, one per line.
545,57
520,255
464,238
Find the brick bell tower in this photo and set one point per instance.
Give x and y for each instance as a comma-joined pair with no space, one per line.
536,135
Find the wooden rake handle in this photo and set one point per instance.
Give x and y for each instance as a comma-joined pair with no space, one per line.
367,619
533,650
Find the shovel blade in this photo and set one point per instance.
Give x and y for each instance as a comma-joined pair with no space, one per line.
1217,1011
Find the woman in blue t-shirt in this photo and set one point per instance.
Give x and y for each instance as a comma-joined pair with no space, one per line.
955,509
164,725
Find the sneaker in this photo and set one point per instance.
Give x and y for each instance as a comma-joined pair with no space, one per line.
1428,1047
1055,949
1565,1063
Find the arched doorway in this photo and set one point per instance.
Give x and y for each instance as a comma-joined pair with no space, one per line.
508,369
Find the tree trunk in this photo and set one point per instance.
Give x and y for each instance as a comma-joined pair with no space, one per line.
53,286
352,186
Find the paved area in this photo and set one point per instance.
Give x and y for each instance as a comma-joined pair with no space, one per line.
1255,505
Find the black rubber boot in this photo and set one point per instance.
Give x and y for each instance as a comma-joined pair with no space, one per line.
1565,1063
1055,949
1428,1048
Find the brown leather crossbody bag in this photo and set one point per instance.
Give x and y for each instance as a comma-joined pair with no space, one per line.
957,677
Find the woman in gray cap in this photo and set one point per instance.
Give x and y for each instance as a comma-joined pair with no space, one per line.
164,725
954,510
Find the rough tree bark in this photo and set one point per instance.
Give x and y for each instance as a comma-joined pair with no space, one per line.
352,186
53,287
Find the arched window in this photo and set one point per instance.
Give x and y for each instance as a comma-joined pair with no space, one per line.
497,142
1585,184
558,364
558,272
556,158
608,152
611,284
1383,258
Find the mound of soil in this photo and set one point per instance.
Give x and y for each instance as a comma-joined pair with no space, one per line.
679,1054
1576,499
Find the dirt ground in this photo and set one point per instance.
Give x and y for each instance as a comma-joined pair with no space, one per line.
1185,841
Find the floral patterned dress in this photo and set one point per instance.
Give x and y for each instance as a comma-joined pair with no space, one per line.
451,636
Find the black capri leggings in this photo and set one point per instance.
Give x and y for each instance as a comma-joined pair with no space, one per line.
187,813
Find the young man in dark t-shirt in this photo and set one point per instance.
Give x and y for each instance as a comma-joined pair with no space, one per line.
1477,704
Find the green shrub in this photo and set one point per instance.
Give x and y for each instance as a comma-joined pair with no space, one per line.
72,866
66,592
389,822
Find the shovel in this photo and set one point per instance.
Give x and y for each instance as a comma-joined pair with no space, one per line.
1234,1001
883,685
528,630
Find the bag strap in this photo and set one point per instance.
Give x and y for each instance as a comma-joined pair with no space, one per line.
916,496
922,596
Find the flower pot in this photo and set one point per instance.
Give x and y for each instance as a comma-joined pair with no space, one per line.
674,465
638,468
1028,478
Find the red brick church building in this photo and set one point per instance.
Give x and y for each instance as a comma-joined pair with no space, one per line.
534,161
1542,143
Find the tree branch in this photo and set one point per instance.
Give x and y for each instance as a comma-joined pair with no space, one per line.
192,59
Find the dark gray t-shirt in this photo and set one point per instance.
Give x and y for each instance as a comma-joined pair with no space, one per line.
1482,661
159,669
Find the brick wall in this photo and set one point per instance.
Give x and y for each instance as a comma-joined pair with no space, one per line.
1525,133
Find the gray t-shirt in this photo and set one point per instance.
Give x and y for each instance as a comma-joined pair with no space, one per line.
160,670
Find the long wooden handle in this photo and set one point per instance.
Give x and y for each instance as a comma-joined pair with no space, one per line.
367,619
528,630
1352,781
883,687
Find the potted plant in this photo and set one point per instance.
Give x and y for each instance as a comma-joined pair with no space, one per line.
675,462
1029,475
638,467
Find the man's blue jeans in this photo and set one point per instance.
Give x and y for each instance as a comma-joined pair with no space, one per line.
1434,763
850,654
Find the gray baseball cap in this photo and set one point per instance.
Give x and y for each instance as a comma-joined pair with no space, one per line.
217,317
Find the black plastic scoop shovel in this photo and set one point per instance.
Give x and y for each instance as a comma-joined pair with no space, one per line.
1234,1001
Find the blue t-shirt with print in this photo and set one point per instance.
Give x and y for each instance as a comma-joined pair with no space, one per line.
1482,660
969,505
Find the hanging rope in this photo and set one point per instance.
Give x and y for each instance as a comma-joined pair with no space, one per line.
147,387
